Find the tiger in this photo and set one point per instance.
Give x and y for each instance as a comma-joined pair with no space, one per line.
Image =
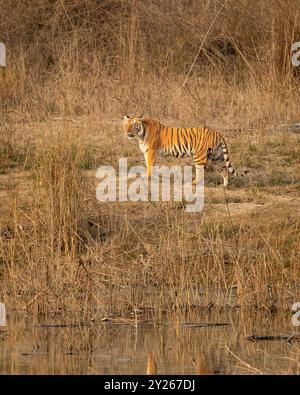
200,142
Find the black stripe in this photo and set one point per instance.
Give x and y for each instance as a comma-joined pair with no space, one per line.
185,141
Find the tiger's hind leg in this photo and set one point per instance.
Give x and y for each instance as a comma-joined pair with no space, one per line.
224,173
216,155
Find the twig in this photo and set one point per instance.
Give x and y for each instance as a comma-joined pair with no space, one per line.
203,324
243,362
202,44
245,60
64,325
288,337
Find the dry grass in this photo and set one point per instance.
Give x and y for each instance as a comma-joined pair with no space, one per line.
82,57
77,69
63,252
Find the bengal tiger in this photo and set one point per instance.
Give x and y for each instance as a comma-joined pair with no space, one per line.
202,143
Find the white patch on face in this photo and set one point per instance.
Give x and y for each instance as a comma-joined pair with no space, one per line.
141,130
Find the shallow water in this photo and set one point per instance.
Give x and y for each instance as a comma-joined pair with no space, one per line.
175,346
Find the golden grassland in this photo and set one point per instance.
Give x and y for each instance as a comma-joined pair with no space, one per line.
77,69
64,252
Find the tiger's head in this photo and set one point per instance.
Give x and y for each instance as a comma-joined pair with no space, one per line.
133,126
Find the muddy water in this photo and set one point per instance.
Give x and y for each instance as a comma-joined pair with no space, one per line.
203,343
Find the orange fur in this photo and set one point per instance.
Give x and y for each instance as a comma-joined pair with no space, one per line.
202,143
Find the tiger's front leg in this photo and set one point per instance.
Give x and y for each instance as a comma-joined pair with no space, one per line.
149,159
199,174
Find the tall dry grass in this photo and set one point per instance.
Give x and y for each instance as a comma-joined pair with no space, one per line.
90,61
64,253
83,57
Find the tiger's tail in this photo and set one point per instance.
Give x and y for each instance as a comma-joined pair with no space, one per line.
229,166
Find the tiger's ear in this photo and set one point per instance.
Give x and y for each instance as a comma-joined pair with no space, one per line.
126,118
141,117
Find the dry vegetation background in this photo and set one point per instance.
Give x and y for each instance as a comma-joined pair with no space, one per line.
73,69
101,57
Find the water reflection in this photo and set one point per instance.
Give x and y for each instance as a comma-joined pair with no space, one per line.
151,364
151,348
